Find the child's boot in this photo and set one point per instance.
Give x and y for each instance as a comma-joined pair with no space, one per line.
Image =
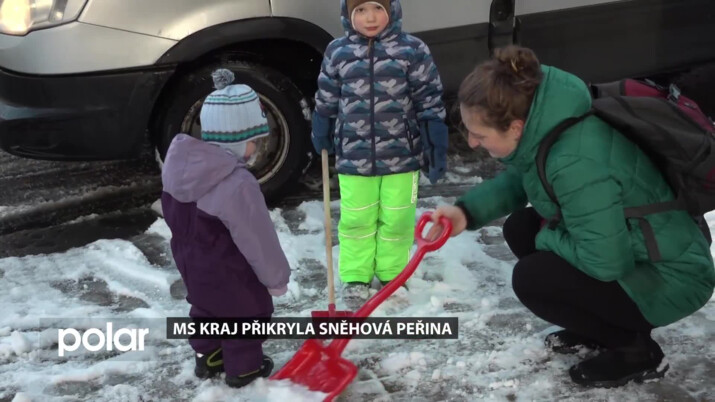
641,360
241,380
355,294
567,342
208,365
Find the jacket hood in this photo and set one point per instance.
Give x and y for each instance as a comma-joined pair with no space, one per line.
560,95
193,167
394,27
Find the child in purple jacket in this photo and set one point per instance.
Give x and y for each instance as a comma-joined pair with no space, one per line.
223,239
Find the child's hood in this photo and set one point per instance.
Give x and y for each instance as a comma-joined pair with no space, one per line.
393,27
193,167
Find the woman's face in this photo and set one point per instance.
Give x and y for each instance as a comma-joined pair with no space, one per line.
499,144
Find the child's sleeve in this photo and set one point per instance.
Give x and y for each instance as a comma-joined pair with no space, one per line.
426,85
248,220
328,95
326,103
426,90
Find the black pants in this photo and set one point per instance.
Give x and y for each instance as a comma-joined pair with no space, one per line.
563,295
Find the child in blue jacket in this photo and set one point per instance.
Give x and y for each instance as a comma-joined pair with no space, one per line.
379,108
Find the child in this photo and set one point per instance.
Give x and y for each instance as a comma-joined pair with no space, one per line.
379,108
223,239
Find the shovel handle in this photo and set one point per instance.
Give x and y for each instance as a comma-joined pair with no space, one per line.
432,245
328,227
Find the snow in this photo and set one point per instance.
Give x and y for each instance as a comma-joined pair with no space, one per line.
453,178
10,210
398,361
499,354
21,397
20,344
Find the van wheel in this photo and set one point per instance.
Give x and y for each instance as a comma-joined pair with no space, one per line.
281,157
698,84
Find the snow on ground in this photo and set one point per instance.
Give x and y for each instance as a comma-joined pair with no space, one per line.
6,210
499,354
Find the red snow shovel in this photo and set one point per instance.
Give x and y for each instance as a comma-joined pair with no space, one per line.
328,248
319,366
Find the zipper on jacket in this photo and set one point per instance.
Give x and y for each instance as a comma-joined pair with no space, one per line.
410,140
370,51
431,144
339,146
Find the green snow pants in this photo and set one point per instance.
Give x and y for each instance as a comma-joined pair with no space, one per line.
377,223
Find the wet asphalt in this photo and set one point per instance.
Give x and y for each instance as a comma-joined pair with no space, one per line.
50,206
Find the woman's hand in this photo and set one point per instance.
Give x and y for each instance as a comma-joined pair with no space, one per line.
454,214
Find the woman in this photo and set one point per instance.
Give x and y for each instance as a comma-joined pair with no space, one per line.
591,273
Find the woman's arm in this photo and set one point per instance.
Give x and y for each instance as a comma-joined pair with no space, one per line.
493,199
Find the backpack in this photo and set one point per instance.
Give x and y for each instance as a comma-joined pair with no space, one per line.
671,129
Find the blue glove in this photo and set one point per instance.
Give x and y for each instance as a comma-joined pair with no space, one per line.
322,135
434,135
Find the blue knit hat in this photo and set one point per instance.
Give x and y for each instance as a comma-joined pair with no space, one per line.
232,114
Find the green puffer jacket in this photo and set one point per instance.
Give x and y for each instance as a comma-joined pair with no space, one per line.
596,172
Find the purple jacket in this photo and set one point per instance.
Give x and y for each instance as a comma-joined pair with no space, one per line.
220,223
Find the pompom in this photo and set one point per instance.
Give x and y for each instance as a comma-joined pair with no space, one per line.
222,78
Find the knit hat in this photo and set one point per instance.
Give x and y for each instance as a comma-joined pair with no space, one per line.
353,4
232,115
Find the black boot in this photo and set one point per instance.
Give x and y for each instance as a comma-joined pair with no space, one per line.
567,342
639,361
209,365
242,380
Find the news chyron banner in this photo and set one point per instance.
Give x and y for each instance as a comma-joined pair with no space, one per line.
317,328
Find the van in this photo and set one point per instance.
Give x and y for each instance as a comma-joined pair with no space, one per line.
110,79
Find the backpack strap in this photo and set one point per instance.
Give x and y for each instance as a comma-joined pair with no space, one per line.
639,212
648,233
632,212
543,153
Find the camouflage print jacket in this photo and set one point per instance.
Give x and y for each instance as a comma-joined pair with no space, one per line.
374,95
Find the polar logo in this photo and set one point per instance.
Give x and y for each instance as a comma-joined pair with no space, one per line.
106,339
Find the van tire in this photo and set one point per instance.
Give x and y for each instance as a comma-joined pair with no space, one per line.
698,84
284,103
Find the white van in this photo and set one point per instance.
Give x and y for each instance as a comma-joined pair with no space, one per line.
106,79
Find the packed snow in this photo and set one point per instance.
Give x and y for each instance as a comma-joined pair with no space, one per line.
499,354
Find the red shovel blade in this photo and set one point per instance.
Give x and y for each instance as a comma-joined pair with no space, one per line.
319,368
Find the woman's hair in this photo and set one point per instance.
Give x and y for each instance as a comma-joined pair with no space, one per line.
502,88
